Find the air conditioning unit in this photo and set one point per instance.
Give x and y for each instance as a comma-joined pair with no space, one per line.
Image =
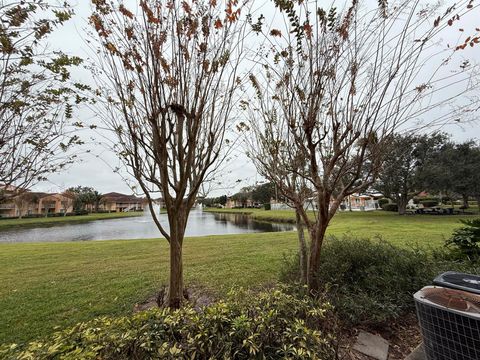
459,281
450,323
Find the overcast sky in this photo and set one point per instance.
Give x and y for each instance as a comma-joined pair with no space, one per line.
96,167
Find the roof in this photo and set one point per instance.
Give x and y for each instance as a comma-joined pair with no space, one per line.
11,188
61,195
39,194
118,197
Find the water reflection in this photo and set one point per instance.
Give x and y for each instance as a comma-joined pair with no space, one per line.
246,222
199,224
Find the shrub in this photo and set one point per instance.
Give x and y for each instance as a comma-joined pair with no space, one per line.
81,212
54,214
269,325
382,202
33,216
446,200
267,206
371,281
390,207
429,203
465,241
419,200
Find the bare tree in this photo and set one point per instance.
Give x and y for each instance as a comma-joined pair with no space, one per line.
36,97
23,201
168,76
66,199
334,86
275,161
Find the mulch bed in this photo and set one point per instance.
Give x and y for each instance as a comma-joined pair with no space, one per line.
198,297
403,336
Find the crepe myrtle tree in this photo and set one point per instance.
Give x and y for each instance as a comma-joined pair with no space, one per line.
168,71
282,167
37,96
332,88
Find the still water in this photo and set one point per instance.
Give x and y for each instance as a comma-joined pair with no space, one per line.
199,224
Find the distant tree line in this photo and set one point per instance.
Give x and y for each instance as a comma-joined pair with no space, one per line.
430,163
260,194
214,201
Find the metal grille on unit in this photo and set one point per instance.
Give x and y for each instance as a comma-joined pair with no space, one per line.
450,323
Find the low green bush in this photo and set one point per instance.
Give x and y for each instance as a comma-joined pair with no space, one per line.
33,216
465,241
419,200
371,281
390,207
383,201
429,203
445,200
267,206
268,325
55,215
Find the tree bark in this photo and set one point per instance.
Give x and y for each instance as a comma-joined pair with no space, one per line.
402,202
317,236
175,288
465,201
303,255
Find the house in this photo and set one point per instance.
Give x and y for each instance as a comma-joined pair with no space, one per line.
242,203
35,203
356,202
279,205
117,202
55,203
367,201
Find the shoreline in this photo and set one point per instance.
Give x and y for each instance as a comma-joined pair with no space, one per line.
25,223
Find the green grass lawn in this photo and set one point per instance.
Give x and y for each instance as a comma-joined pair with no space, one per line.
47,285
23,223
400,230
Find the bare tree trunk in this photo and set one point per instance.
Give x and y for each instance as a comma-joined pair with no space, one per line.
465,201
175,288
303,255
402,202
317,237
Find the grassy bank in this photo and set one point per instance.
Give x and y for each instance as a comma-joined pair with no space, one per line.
400,230
46,221
48,285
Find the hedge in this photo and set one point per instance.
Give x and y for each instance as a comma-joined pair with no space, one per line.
268,325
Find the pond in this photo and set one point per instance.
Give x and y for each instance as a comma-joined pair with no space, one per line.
199,224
